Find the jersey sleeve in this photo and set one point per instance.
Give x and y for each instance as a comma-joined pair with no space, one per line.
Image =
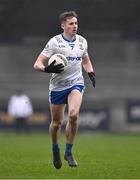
86,48
49,49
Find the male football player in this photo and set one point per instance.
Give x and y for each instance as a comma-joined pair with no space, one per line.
66,87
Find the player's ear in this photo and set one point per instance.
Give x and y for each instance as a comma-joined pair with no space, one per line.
62,26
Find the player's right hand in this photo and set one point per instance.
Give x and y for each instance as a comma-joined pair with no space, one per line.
54,68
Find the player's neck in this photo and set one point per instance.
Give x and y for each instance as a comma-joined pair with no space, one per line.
68,37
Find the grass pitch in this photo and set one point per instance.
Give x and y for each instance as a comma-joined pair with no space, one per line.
100,156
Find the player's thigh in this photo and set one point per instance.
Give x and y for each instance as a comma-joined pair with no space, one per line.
75,100
57,112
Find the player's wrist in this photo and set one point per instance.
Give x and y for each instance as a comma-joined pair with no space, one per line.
92,77
91,73
45,69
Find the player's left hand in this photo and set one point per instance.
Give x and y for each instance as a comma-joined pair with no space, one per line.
92,78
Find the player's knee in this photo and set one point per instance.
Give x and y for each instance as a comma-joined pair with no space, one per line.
73,115
56,125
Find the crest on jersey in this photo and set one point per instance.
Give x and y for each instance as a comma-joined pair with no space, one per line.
81,46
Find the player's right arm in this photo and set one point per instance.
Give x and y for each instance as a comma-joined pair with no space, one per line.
52,68
47,52
39,65
44,56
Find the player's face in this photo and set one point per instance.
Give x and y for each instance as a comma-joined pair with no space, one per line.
70,26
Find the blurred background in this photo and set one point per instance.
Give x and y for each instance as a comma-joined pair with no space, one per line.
112,28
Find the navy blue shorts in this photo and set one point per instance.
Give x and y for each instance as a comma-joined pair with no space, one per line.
61,97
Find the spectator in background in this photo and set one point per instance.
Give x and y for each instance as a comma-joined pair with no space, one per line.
21,108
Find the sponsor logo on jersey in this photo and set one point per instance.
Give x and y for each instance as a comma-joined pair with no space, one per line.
62,46
70,58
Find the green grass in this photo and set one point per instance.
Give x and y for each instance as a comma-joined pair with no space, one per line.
99,156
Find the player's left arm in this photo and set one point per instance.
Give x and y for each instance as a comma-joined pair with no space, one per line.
88,67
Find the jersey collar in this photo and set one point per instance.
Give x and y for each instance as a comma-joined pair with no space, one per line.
62,34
